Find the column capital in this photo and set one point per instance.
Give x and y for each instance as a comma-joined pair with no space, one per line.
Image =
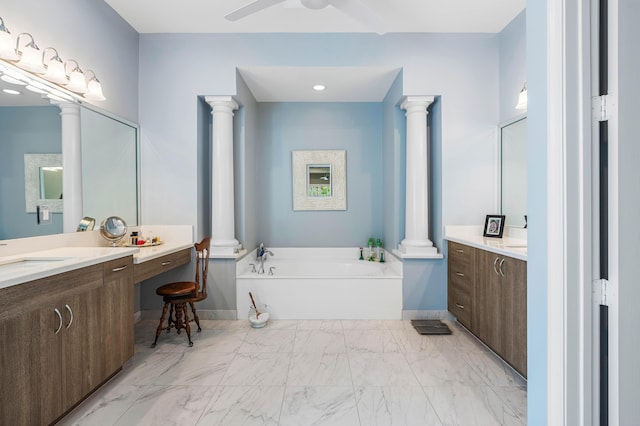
222,102
67,107
421,102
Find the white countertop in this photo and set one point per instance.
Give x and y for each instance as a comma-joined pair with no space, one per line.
22,264
513,243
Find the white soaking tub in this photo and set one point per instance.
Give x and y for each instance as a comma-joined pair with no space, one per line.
321,283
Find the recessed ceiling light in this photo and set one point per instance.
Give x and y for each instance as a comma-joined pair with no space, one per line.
319,87
11,92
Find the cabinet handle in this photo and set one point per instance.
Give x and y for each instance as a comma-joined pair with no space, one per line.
68,308
495,268
166,263
460,274
59,320
460,250
120,268
459,305
500,267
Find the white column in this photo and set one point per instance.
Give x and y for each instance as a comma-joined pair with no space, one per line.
223,241
71,166
416,242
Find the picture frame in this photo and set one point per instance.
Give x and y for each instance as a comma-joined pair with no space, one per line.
319,180
494,226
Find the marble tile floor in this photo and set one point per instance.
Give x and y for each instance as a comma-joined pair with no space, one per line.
308,373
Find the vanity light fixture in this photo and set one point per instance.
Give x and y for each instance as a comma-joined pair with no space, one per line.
522,98
30,55
55,67
94,88
77,81
7,48
319,87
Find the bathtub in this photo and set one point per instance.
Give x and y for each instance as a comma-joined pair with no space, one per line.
321,283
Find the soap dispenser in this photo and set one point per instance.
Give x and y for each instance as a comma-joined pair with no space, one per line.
378,249
370,256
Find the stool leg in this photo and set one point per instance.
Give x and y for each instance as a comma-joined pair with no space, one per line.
195,316
178,311
171,319
159,329
187,327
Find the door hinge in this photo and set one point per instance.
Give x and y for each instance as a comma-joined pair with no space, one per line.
602,107
601,292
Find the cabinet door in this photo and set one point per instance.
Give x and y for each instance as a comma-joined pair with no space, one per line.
487,321
117,304
514,313
30,374
82,345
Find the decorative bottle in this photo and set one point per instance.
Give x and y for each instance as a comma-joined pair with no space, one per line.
378,249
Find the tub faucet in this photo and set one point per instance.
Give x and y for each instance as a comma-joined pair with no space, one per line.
261,255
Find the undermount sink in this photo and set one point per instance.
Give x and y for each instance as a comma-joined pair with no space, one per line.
25,263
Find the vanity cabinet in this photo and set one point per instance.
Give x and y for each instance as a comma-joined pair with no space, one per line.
57,341
460,276
497,301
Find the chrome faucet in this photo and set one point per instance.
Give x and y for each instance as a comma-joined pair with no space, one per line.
261,255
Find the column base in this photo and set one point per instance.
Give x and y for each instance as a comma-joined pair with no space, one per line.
422,249
225,248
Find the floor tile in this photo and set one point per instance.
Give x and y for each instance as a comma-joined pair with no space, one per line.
515,397
377,341
363,324
144,368
267,340
244,405
258,369
464,405
319,405
193,368
319,369
219,340
380,369
168,405
105,407
493,370
319,341
441,368
319,325
397,406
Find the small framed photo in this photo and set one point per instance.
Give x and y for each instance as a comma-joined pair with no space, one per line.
493,226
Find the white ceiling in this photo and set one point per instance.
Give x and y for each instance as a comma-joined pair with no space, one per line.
207,16
293,84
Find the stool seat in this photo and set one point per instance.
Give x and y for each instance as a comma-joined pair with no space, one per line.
184,288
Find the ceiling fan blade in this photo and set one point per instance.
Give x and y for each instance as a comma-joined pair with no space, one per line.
251,8
359,11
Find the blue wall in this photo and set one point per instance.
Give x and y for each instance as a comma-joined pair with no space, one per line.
25,130
513,65
354,127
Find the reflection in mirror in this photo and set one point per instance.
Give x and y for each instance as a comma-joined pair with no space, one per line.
109,145
51,183
513,154
319,178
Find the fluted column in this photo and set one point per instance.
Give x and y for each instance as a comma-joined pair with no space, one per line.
223,241
71,166
416,242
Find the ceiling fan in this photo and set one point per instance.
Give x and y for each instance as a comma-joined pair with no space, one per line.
356,9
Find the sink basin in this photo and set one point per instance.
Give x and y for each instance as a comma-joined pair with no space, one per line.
26,263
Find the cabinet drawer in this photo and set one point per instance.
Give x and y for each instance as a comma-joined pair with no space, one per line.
459,303
461,256
117,268
154,267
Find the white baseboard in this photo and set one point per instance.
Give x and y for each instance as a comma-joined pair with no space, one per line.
441,315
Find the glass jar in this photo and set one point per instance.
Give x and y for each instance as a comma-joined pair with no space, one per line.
260,320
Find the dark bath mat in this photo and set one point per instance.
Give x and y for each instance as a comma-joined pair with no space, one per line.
430,327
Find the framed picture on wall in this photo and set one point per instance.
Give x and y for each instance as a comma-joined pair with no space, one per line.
493,226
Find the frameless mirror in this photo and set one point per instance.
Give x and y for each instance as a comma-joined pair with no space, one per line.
513,171
31,125
319,180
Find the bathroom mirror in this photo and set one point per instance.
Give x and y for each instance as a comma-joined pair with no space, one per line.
51,183
319,180
513,171
31,124
113,229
